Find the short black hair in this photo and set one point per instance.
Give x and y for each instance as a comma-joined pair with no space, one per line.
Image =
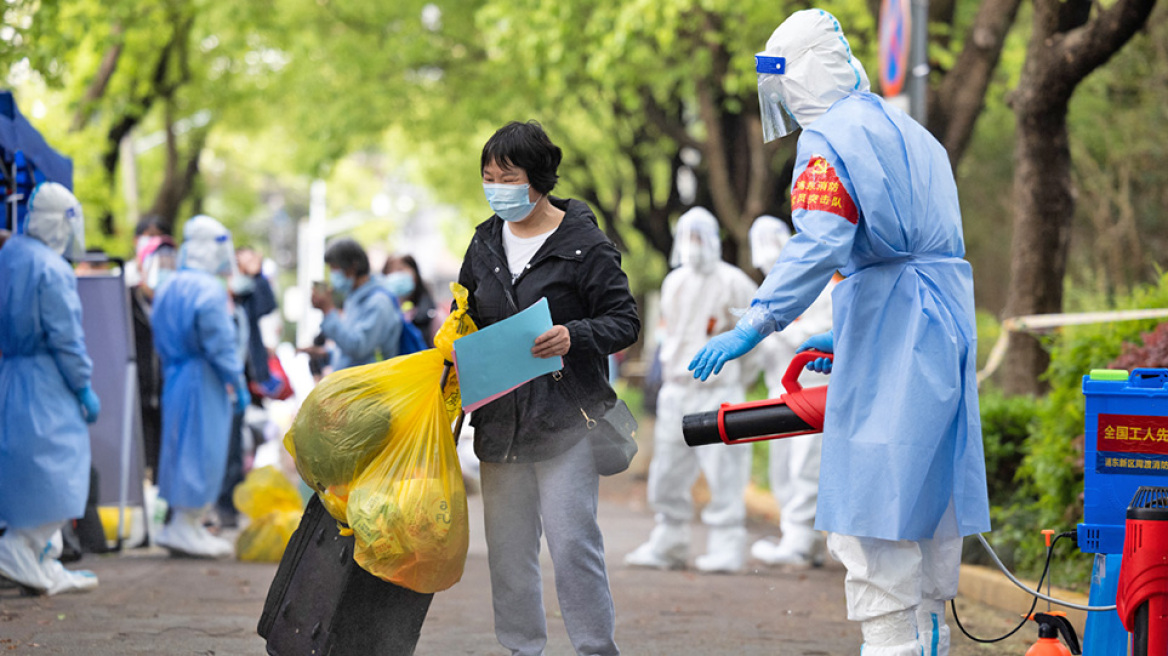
151,221
525,146
348,256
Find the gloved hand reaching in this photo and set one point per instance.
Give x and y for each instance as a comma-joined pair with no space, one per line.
723,348
242,396
90,404
824,342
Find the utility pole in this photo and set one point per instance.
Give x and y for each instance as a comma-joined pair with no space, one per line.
918,82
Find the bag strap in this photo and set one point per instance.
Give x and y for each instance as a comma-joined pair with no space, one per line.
558,376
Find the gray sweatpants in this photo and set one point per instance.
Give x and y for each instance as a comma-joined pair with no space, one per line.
558,496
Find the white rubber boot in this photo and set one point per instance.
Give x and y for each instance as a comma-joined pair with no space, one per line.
30,557
725,551
185,536
791,552
931,627
894,634
666,548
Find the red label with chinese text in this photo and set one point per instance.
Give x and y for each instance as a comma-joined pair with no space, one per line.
1132,434
819,188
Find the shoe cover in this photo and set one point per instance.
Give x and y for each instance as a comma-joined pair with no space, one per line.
29,557
907,649
893,634
184,535
666,548
931,627
725,551
786,553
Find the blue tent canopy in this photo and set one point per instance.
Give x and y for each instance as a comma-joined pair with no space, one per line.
23,151
16,133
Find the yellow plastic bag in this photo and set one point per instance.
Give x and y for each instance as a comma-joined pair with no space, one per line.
266,490
375,442
349,417
264,540
457,324
408,508
343,424
274,506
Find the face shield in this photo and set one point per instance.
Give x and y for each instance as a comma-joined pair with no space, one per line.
207,247
806,68
55,219
777,120
768,236
695,241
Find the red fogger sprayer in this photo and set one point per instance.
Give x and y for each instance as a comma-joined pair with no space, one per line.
1142,596
798,412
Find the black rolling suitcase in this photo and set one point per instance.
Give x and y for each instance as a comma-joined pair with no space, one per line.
321,603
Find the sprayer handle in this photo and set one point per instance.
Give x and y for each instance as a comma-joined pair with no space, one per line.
791,377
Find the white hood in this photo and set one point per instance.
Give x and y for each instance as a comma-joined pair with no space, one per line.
768,236
820,67
695,240
55,219
207,247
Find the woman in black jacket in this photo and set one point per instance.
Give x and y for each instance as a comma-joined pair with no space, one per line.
537,471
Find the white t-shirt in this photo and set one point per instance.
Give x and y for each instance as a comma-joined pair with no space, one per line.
520,250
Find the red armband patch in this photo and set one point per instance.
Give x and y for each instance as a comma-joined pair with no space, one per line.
819,188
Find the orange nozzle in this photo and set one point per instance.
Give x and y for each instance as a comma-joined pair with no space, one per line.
1048,532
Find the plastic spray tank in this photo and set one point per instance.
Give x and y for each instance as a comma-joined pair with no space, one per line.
797,412
1050,625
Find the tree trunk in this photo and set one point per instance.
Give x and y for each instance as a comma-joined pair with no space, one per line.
1065,46
960,97
180,173
1044,206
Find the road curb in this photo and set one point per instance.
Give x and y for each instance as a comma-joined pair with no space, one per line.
990,586
987,585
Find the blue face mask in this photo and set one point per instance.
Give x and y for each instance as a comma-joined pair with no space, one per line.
511,202
400,283
339,282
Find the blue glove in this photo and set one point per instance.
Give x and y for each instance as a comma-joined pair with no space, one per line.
723,348
242,397
90,404
824,342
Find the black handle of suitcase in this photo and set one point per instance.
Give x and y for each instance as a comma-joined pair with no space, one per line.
322,602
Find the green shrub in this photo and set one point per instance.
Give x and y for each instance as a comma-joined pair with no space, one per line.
1006,423
1048,483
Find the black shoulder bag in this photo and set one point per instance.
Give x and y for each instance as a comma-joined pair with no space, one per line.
611,435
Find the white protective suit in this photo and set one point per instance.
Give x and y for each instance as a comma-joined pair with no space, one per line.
903,469
794,461
698,300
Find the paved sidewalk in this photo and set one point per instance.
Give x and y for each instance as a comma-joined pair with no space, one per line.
150,604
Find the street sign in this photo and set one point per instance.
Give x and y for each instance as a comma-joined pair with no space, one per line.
895,25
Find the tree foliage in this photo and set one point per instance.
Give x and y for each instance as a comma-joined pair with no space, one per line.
640,94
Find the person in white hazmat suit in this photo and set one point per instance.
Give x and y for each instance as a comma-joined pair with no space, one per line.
197,344
794,461
45,394
902,477
697,301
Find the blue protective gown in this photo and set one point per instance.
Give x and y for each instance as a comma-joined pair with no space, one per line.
44,442
902,436
370,327
196,342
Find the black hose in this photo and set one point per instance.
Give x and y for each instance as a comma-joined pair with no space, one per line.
1033,604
